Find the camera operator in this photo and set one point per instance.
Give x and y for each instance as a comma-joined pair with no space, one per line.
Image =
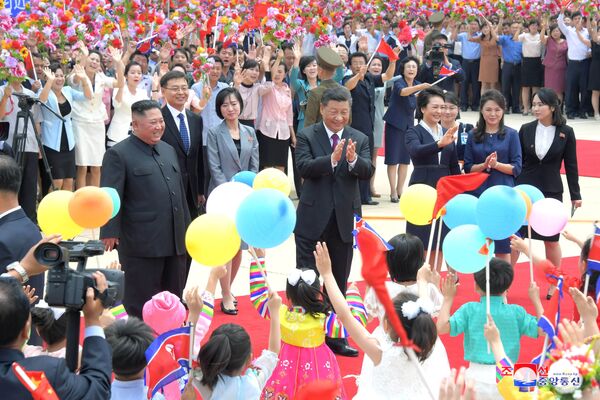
435,59
93,381
9,107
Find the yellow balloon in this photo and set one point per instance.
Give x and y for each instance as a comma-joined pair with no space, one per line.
272,178
53,215
417,203
212,239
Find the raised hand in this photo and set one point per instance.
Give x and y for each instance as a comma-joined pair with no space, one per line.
322,259
490,330
193,299
115,54
336,156
49,74
449,286
165,51
351,151
449,137
79,71
273,302
251,54
30,293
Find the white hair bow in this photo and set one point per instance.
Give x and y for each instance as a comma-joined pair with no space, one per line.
411,309
308,276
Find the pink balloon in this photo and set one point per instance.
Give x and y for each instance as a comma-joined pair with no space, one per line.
548,217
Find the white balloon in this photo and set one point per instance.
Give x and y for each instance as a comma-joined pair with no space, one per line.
227,197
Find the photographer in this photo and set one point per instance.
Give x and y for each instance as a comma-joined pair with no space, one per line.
435,59
93,381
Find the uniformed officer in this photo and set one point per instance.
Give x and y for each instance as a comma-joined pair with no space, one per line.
327,62
149,230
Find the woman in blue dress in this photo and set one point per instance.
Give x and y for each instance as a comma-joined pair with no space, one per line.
495,149
400,116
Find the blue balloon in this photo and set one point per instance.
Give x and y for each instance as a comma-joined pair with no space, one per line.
462,249
460,210
266,218
534,193
500,212
246,177
116,200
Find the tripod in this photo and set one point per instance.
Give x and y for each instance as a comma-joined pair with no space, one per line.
20,138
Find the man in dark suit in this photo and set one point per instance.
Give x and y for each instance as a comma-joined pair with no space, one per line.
93,380
362,86
17,233
149,230
429,73
331,158
183,131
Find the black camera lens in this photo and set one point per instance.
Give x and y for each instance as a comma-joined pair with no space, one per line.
51,255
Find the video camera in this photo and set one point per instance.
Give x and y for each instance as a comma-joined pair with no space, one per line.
25,101
436,57
67,287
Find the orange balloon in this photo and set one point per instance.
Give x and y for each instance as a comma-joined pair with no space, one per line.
90,207
527,202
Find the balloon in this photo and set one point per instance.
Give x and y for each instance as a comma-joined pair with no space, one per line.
500,212
226,198
91,207
272,178
534,193
212,240
53,215
462,249
527,204
266,218
460,210
548,217
246,177
417,203
116,200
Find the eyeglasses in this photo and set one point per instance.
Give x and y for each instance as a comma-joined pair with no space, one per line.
178,88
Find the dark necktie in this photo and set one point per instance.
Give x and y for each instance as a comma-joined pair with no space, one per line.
335,139
183,132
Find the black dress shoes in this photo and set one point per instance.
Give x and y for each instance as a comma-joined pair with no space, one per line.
370,203
341,347
228,311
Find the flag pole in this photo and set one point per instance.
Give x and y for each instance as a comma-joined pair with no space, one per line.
33,66
530,253
191,352
413,357
436,82
215,31
433,225
437,245
487,286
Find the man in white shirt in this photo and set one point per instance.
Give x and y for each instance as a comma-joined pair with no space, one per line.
578,67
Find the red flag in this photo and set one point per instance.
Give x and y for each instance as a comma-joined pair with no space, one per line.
447,71
386,49
449,186
210,24
167,359
374,271
35,382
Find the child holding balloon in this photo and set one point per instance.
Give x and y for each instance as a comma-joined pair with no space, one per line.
512,320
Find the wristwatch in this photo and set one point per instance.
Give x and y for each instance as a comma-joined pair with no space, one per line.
16,266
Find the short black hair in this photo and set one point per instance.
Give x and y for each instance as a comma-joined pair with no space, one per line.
498,98
140,107
338,93
55,66
425,97
139,53
406,60
182,51
304,62
164,81
10,175
178,65
406,257
14,310
249,64
223,95
51,329
216,59
501,277
132,64
357,54
287,46
549,97
129,340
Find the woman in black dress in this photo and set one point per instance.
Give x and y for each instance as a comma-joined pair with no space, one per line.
432,151
57,135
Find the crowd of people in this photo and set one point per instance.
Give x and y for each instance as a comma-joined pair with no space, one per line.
164,137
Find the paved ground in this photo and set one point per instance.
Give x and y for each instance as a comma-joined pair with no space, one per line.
387,219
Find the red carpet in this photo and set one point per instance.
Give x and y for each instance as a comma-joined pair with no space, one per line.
588,152
259,328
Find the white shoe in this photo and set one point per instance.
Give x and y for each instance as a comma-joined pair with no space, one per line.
597,117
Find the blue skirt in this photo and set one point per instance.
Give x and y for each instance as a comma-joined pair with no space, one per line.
396,151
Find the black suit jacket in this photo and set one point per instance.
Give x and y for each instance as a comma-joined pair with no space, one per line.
544,174
92,382
326,190
423,150
191,164
363,103
154,214
17,235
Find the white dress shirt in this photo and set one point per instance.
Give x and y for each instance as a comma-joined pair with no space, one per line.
544,136
577,51
175,112
12,210
330,133
435,135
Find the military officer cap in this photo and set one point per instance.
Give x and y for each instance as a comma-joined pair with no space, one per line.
328,58
436,17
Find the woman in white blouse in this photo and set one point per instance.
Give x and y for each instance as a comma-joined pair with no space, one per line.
532,72
546,143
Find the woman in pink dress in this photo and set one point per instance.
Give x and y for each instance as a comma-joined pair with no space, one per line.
555,61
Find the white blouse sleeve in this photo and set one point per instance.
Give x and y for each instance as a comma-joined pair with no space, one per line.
264,367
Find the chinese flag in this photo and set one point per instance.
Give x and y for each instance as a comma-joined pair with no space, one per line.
449,186
35,382
385,48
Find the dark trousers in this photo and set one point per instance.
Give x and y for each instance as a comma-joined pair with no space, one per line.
28,191
206,173
364,185
511,85
471,69
147,276
577,82
297,177
339,251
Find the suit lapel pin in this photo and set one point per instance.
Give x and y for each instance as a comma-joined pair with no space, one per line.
562,135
